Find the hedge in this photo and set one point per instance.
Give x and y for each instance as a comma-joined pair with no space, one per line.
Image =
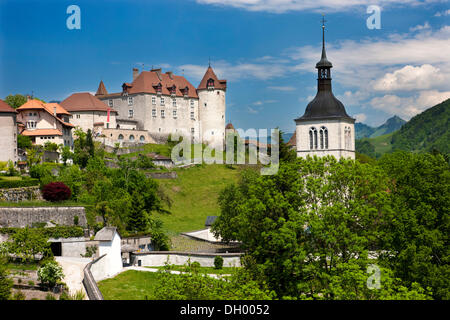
8,184
52,232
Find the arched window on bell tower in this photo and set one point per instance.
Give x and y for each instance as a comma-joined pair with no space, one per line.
313,138
323,138
348,138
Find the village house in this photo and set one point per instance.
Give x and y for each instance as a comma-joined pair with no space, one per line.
45,122
8,133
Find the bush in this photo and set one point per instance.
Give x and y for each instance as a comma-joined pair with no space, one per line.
6,184
218,262
50,273
56,191
19,296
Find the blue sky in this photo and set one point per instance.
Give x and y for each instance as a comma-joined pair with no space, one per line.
266,49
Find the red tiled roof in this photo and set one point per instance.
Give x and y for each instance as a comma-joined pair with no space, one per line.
35,104
84,101
229,126
293,140
59,110
42,132
147,81
4,107
218,84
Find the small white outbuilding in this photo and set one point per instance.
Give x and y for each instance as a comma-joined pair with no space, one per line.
110,244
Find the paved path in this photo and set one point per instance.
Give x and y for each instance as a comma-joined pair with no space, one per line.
73,272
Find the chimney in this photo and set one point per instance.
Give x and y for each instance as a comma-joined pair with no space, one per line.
170,73
28,97
135,73
54,111
158,73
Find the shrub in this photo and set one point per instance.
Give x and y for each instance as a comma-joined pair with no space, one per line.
56,191
76,220
19,296
218,262
6,184
50,273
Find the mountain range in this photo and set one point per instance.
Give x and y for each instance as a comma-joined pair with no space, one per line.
392,124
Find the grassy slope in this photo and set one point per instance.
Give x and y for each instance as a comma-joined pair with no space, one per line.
382,143
194,194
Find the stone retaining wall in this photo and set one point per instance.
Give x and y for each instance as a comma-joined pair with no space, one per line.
22,217
21,194
159,258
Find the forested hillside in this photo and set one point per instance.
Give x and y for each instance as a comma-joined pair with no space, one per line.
426,131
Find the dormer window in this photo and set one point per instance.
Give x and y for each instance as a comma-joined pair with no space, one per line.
173,90
186,92
210,84
158,88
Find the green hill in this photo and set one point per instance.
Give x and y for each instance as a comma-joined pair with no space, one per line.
194,194
374,147
426,131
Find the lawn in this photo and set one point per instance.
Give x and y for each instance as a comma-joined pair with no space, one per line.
129,285
194,194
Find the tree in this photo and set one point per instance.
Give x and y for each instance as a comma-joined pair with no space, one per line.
287,154
23,142
50,273
50,146
56,191
194,285
299,225
34,156
15,101
5,282
138,219
417,236
26,243
66,154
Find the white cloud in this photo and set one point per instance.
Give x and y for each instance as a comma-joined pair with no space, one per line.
442,13
237,71
280,6
282,88
419,27
252,110
410,78
360,117
407,107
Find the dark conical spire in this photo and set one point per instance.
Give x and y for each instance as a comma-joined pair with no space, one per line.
323,63
324,105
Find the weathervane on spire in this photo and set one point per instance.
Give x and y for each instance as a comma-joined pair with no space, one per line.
209,61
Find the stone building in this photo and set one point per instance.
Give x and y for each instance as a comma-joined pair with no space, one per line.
165,103
88,112
325,128
8,133
45,122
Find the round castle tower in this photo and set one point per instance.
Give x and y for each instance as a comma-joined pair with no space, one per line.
211,108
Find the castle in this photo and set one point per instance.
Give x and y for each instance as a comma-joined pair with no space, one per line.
158,104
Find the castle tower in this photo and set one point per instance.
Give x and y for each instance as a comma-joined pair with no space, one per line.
325,128
211,108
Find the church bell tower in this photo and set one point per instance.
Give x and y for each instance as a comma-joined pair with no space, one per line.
325,128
